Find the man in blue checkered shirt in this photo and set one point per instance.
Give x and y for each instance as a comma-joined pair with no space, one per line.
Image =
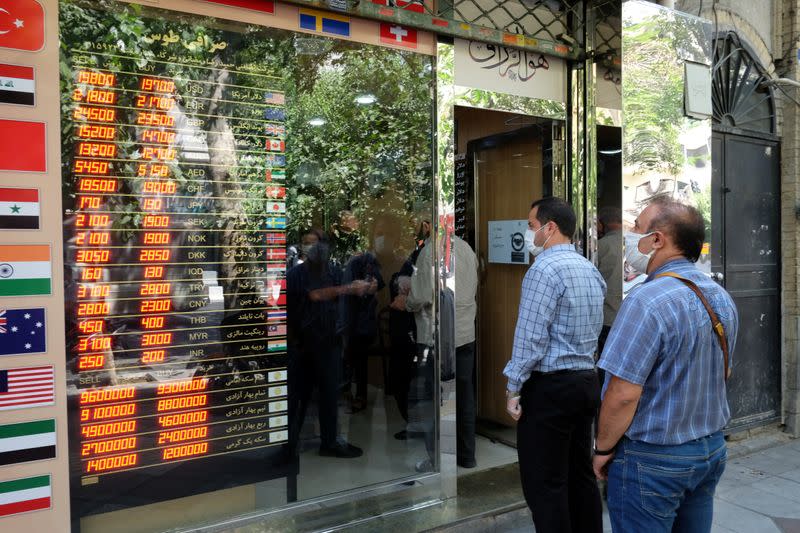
553,390
659,440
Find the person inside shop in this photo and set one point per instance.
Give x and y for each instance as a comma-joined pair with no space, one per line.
609,263
315,341
358,312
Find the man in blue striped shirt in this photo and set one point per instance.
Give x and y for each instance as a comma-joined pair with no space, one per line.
664,403
553,390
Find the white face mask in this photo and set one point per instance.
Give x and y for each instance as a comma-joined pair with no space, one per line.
380,243
636,259
530,242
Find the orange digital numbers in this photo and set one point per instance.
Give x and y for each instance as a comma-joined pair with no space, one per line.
159,137
91,149
97,185
90,362
110,411
154,255
90,131
162,103
152,204
155,306
152,322
92,77
91,167
187,385
182,402
153,170
155,221
159,152
155,237
90,326
151,118
93,256
92,308
155,289
112,463
94,344
99,447
157,85
94,238
94,114
182,435
94,291
154,356
182,419
89,202
153,272
107,395
95,96
108,429
159,187
92,221
187,450
156,339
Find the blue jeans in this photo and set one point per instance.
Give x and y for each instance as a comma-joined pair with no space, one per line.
655,488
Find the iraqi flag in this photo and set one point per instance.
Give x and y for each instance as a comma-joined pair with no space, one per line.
22,25
398,35
19,208
27,441
22,146
25,494
22,331
17,84
25,270
25,387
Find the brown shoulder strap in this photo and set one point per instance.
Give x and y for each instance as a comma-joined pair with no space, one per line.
719,329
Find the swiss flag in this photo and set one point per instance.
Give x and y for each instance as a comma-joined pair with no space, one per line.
21,25
398,35
22,146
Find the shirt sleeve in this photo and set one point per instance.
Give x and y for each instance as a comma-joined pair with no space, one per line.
634,342
421,294
537,308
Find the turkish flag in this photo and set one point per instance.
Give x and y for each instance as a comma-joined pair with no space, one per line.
21,25
22,146
257,5
398,35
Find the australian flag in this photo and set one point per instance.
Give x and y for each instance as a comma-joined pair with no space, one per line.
22,331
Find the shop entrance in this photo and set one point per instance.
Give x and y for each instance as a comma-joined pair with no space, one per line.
509,158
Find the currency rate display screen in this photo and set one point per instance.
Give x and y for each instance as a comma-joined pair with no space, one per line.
174,228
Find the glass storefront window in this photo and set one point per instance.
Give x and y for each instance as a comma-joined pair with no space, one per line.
242,206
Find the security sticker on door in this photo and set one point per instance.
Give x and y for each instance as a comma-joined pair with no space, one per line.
507,242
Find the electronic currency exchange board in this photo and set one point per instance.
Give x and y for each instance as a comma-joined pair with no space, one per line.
174,228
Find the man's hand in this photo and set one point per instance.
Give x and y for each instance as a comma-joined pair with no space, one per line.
600,463
359,287
399,303
513,408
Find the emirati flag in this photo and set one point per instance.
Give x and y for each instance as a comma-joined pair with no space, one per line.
25,270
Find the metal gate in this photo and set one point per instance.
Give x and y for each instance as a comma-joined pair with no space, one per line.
745,248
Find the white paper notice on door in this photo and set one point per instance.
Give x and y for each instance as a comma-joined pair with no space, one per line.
507,242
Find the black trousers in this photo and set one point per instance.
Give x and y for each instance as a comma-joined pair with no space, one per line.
465,402
554,441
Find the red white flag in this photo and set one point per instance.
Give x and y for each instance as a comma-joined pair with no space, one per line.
398,35
265,6
26,387
21,25
415,6
22,146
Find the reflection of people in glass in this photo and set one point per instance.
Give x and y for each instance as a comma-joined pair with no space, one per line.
609,263
359,319
315,347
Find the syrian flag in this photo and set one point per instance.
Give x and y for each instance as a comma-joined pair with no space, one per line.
25,270
17,84
27,441
25,494
398,35
19,208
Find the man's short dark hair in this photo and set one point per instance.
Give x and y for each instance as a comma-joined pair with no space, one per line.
683,223
558,211
609,215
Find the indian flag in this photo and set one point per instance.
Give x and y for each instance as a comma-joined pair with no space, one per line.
25,270
25,494
19,208
27,441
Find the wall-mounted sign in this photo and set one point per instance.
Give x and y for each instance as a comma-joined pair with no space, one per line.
509,70
507,242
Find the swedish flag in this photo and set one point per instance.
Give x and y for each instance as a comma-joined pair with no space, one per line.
322,22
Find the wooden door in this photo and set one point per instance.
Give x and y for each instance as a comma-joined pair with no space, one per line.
508,178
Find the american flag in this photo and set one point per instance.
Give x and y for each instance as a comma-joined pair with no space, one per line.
26,387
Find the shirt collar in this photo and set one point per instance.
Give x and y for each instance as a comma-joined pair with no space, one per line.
675,264
558,248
